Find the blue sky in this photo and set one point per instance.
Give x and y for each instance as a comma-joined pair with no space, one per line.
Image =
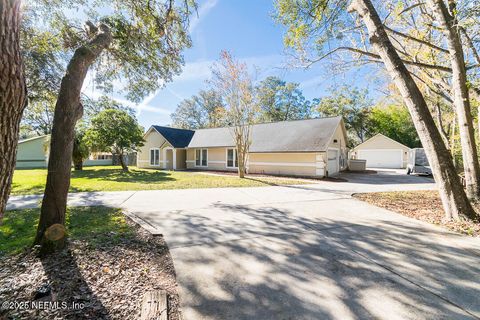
246,29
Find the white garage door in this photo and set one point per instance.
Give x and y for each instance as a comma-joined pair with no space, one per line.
378,158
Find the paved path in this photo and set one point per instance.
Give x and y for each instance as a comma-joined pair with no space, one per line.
307,252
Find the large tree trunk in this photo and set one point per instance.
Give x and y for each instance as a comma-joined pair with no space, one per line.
13,94
461,98
67,111
451,192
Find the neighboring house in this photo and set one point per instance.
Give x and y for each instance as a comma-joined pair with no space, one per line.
314,147
33,152
99,159
382,152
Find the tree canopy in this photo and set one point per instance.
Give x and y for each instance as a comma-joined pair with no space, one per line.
114,131
279,100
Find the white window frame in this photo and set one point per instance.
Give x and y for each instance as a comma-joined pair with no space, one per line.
150,156
234,157
201,158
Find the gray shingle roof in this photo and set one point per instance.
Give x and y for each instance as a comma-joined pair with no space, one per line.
178,138
286,136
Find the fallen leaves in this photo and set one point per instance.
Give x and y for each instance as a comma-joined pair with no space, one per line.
109,279
421,205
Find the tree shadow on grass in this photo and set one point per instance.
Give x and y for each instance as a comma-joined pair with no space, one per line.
117,175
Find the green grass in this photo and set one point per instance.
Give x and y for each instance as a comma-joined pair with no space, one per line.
91,224
111,178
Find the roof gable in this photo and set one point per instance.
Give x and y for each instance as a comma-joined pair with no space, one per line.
384,137
178,138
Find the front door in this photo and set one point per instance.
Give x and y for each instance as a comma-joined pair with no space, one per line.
333,162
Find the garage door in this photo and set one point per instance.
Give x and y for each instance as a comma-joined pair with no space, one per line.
382,158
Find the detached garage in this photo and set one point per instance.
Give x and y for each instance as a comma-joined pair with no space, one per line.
382,152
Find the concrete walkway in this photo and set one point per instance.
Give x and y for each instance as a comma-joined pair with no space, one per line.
307,252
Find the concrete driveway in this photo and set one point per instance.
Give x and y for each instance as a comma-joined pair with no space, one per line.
308,252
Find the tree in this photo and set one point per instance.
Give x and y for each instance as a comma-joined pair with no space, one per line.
280,101
114,131
232,81
446,18
137,45
13,94
80,148
354,107
453,196
320,20
205,110
395,122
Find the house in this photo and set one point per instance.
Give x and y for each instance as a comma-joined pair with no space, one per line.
382,152
33,153
314,147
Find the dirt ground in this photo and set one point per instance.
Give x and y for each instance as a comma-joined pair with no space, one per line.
421,205
109,280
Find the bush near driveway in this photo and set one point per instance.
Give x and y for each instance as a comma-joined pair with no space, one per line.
108,265
112,178
421,205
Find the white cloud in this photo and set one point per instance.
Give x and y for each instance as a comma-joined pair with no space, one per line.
204,9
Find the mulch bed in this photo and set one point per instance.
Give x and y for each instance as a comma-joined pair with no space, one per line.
421,205
108,280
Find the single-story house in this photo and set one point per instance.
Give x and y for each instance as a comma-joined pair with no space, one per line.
33,153
314,147
382,152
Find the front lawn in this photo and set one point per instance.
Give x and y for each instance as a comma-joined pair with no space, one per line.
421,205
112,178
108,265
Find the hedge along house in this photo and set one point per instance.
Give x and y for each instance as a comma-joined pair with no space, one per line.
314,147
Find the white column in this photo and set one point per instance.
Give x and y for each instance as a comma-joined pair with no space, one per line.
164,159
174,151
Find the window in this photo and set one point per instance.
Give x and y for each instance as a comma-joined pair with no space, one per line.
154,157
197,157
104,156
204,157
232,158
201,157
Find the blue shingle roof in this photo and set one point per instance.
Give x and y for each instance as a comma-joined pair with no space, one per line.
178,138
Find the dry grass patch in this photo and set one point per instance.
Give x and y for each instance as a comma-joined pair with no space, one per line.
421,205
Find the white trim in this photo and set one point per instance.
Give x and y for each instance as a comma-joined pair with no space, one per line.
201,158
285,164
234,156
190,161
379,135
174,159
150,157
216,161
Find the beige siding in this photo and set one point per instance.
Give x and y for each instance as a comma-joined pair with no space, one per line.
217,159
296,164
152,140
381,142
181,157
32,153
